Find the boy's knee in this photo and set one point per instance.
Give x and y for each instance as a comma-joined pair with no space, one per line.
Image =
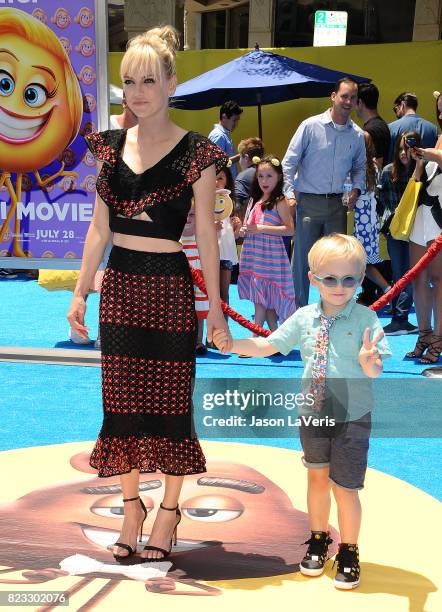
344,492
318,476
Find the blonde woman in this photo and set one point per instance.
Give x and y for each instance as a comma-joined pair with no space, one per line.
147,177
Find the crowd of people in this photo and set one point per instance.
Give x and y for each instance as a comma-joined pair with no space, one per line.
332,166
156,186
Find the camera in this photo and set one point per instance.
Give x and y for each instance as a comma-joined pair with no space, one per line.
411,142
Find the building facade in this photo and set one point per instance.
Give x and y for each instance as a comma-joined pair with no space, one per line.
232,24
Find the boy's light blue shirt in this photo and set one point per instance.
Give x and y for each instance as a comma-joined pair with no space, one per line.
346,339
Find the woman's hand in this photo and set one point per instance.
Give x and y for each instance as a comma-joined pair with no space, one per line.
243,231
220,339
216,321
218,226
429,154
252,228
75,316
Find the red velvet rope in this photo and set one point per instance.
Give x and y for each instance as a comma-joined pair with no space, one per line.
431,253
423,262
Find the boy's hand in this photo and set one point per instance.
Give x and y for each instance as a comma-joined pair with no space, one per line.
221,340
369,353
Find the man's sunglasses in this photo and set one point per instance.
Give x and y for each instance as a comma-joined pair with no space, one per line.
333,281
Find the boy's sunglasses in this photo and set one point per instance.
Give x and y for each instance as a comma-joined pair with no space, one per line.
333,281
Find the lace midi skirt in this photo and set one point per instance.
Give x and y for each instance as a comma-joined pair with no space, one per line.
148,336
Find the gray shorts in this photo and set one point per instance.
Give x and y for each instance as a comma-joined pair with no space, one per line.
342,448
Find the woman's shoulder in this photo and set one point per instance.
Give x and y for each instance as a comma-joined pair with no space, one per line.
387,169
204,153
198,141
106,144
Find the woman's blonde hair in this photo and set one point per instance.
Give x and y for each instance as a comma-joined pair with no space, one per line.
15,21
336,246
152,52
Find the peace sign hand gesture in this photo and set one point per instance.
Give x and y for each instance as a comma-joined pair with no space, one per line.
369,357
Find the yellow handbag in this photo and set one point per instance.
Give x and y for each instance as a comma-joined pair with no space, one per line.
403,219
56,280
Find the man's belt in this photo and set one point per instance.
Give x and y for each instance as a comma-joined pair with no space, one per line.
326,195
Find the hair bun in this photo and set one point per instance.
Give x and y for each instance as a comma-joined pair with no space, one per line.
169,35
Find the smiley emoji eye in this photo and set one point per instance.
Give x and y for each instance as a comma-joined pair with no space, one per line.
211,515
111,511
35,95
7,84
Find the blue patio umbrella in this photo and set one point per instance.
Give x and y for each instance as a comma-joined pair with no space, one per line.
257,78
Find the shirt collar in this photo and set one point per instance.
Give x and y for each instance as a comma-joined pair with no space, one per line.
222,129
327,118
317,310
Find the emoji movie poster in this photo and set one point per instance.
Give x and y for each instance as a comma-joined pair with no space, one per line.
48,102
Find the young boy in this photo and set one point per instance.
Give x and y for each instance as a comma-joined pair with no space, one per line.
342,345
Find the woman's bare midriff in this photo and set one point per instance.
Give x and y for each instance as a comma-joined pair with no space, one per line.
141,243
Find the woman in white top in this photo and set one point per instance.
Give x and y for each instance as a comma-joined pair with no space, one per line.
427,286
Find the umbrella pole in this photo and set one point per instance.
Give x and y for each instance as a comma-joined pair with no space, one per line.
259,121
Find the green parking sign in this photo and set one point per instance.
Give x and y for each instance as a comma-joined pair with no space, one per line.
330,28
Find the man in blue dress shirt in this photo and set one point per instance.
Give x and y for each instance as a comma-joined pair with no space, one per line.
404,107
229,115
324,150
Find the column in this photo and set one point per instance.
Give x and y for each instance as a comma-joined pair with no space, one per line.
141,15
427,20
261,21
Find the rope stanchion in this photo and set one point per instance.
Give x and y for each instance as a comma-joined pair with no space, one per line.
423,262
256,329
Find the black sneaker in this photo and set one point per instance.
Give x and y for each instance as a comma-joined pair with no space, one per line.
348,574
400,328
316,555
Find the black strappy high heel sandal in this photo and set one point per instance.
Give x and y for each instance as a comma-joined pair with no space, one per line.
173,539
433,352
421,344
129,549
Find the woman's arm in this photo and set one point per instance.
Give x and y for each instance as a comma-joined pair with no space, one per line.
97,237
207,243
254,347
419,169
286,229
429,154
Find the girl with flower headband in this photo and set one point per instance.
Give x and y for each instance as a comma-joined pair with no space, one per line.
265,276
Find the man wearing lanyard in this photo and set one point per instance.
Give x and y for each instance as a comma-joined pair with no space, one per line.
325,149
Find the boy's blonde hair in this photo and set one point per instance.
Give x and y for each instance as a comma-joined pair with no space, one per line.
152,52
337,246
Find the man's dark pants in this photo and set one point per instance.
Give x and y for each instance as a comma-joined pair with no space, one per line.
400,264
316,216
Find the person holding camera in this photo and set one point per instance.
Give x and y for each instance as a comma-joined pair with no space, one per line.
394,180
404,107
426,228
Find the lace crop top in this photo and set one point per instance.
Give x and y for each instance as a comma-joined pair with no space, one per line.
163,191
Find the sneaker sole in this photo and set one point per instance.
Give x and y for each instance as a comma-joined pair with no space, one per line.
311,572
345,586
401,332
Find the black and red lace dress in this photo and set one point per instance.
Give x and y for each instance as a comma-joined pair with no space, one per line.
147,313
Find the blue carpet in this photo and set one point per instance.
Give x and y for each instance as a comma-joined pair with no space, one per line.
56,404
